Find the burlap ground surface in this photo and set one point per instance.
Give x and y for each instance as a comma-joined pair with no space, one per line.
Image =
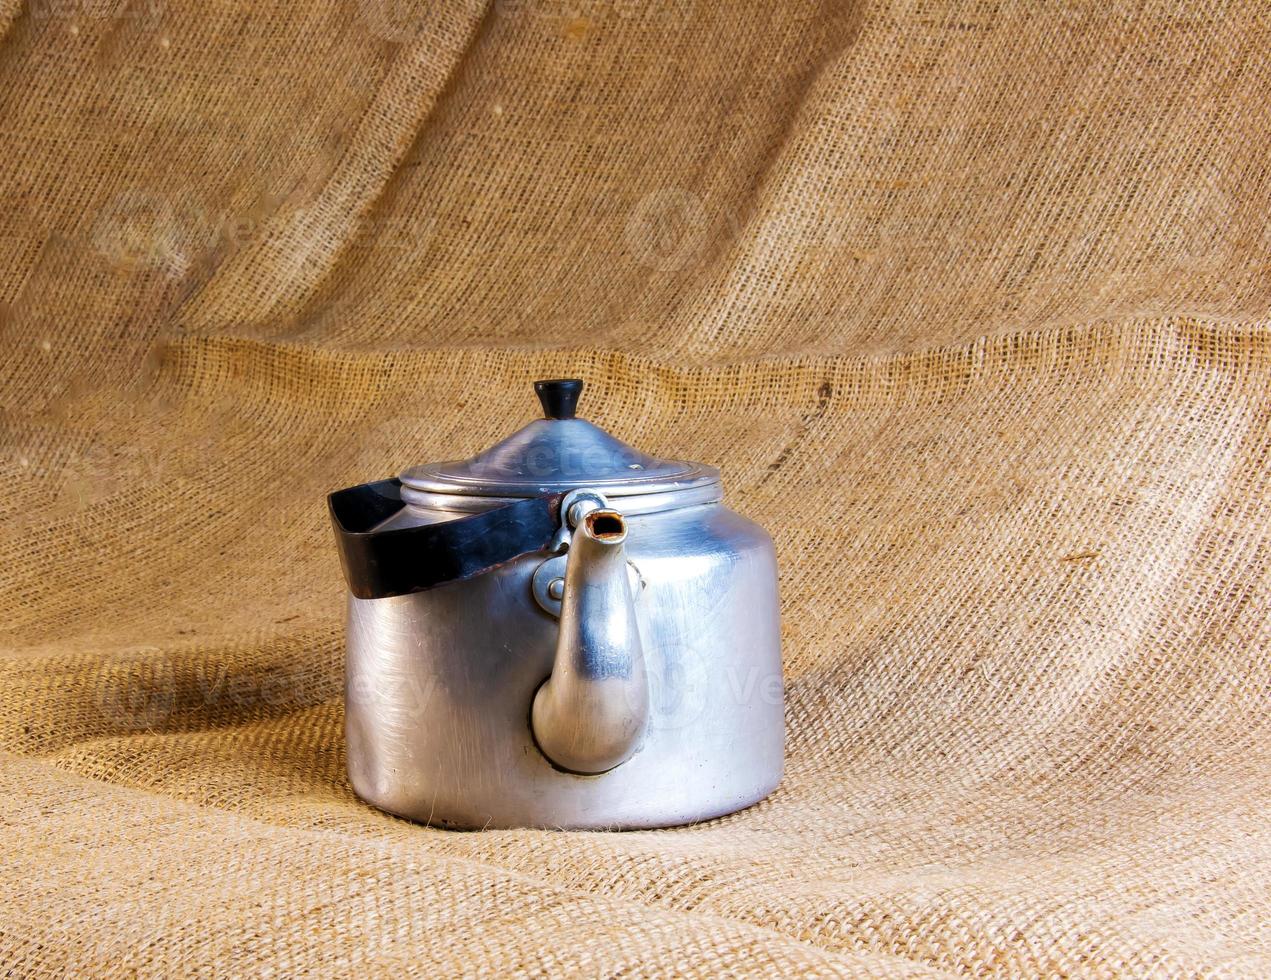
968,300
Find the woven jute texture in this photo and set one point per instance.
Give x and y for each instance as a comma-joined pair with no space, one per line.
971,303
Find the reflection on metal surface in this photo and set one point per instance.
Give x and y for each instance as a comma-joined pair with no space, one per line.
591,713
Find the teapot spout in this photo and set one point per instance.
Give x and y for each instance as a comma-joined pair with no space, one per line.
590,715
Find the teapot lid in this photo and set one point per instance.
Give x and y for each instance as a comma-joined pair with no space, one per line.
556,453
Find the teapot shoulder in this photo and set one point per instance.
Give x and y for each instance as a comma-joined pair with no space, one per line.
710,529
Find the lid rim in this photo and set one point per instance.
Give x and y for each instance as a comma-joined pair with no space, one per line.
633,504
432,478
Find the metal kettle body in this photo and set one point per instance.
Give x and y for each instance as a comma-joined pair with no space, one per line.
627,674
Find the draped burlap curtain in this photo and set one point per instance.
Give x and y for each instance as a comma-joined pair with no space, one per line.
969,302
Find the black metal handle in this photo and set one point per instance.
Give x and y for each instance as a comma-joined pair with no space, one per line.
379,564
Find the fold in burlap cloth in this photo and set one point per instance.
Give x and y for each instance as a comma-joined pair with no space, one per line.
968,300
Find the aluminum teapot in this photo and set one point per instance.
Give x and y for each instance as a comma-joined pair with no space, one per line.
559,632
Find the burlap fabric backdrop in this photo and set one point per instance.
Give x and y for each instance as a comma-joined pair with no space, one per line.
968,300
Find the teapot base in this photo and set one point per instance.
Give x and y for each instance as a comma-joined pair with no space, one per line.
650,820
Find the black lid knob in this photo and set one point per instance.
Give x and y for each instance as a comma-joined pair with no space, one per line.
559,397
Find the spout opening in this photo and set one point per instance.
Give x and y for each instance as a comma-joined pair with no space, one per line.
606,525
